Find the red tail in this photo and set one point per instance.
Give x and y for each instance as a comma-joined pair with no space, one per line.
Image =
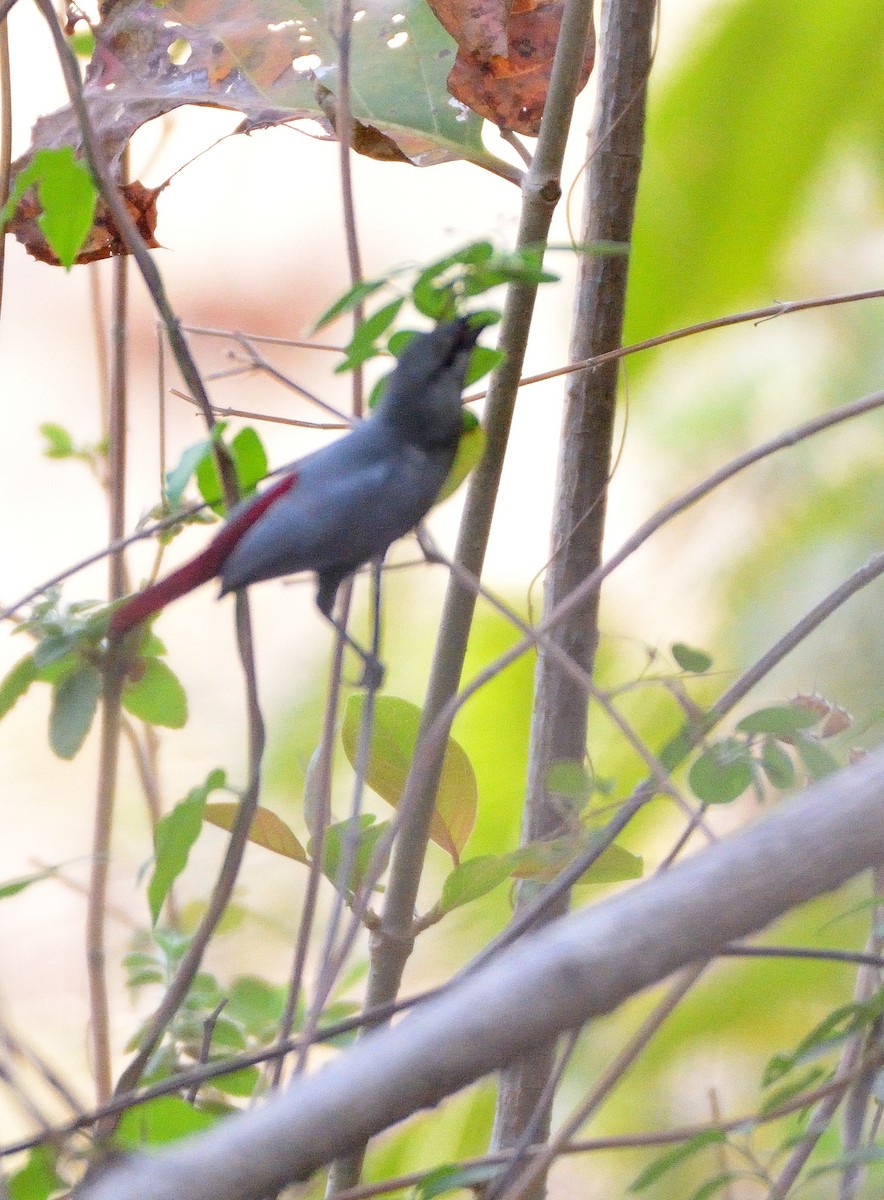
199,570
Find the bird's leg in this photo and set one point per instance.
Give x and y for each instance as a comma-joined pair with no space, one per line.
373,668
429,549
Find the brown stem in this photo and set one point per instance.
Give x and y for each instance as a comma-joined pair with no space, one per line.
559,711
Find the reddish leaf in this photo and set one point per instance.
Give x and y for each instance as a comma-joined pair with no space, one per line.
505,58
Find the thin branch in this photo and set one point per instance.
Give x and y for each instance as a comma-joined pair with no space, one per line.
196,1076
757,315
111,712
318,811
536,1170
112,693
239,833
644,791
227,876
541,192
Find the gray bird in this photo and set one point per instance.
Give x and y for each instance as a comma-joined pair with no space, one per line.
345,504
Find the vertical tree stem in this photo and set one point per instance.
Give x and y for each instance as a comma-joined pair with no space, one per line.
559,715
111,699
393,941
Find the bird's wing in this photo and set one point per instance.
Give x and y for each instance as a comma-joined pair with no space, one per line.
332,519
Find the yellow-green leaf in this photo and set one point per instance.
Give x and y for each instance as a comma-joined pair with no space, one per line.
393,739
268,830
157,696
470,449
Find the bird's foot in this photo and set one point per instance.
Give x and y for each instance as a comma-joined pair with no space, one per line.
372,678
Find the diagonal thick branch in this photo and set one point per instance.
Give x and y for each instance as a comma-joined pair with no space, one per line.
579,967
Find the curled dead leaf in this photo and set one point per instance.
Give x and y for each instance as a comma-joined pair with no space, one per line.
103,240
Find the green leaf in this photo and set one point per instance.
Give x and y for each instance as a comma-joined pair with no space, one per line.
393,739
777,764
178,478
368,833
722,772
74,702
59,443
818,761
453,1178
18,885
267,829
801,1083
157,697
52,648
483,361
476,877
613,865
570,780
249,459
363,346
689,659
718,1183
238,1083
67,196
257,1005
142,969
673,1158
542,861
679,747
16,683
174,836
780,720
249,462
160,1121
38,1178
357,294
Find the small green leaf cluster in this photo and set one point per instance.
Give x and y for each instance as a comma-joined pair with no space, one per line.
766,749
439,293
60,444
216,1023
199,463
213,1023
394,738
71,657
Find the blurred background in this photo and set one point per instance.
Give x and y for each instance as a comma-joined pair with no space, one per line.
763,181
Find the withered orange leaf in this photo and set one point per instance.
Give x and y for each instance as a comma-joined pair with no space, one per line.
103,240
505,56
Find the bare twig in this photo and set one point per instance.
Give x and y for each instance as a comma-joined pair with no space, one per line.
114,678
757,315
528,1179
196,1076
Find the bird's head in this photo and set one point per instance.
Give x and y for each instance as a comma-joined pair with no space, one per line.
423,394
